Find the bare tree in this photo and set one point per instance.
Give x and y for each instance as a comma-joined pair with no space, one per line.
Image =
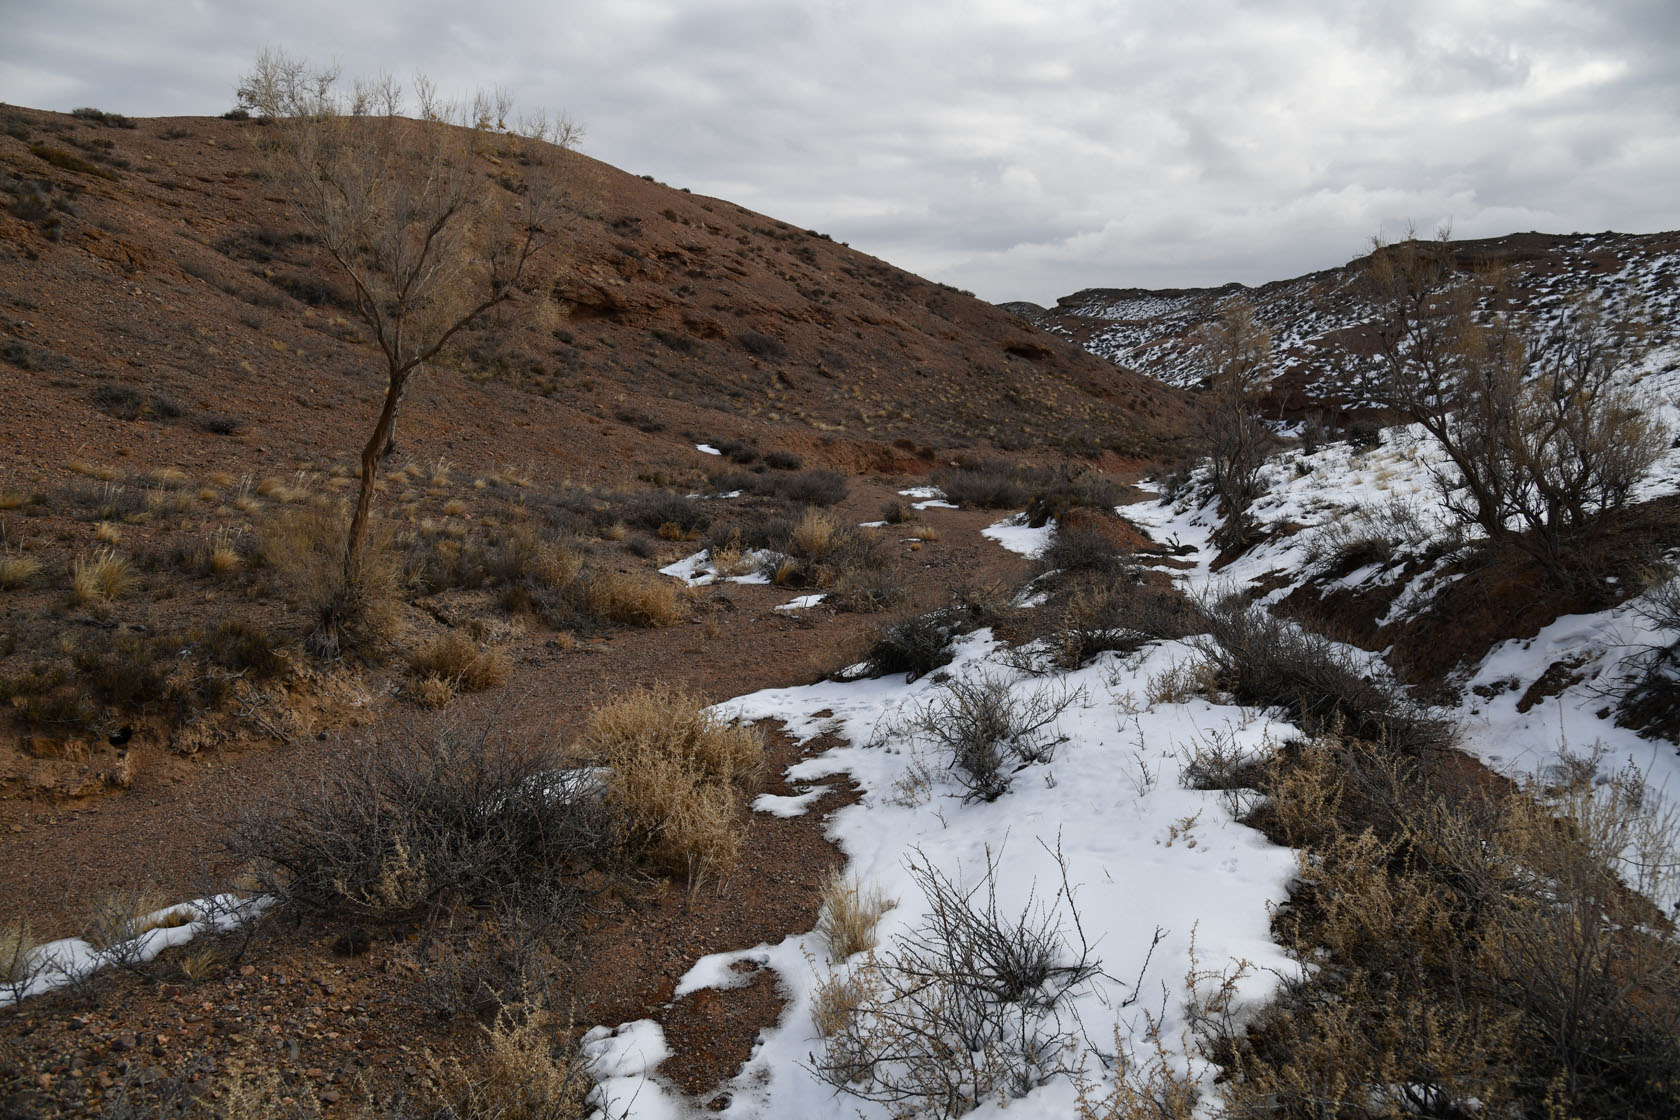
1540,432
1238,351
409,212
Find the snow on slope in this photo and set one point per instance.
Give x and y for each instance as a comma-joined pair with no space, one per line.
1150,331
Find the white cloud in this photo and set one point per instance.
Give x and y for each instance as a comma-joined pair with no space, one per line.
1019,149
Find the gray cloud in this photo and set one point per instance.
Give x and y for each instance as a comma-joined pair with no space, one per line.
1019,149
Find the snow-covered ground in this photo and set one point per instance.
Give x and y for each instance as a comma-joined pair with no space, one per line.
1143,854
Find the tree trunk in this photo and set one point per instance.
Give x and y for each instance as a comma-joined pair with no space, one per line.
370,466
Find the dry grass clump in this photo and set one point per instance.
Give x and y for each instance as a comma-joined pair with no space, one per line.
849,915
305,547
455,658
1469,942
108,533
103,576
835,1004
17,570
432,691
634,599
524,1072
676,772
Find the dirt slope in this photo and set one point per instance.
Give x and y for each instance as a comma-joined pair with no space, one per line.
154,258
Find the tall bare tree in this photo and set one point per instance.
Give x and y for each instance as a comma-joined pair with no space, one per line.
1237,350
432,220
1541,433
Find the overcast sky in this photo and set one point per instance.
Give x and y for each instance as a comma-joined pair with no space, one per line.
1022,149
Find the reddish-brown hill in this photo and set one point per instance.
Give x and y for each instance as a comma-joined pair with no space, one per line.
154,262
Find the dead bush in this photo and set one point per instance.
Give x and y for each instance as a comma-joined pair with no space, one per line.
422,817
917,645
968,1007
1648,694
1086,553
819,550
1266,661
1088,490
988,485
991,730
456,658
676,771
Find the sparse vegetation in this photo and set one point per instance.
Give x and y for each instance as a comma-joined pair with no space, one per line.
676,773
962,1009
419,820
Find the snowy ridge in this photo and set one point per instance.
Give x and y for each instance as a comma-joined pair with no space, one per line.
1150,331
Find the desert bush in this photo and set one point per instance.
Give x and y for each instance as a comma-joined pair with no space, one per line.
676,768
1066,492
16,570
966,1008
991,730
634,599
1648,693
454,657
1542,435
1263,660
103,576
421,818
650,510
867,590
1086,552
849,915
897,512
99,116
814,488
1237,351
819,549
988,485
783,461
917,645
1120,617
524,1071
761,345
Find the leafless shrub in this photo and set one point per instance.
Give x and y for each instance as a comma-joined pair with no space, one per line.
421,818
1539,428
992,730
1648,694
524,1072
1238,352
970,1006
917,645
1266,661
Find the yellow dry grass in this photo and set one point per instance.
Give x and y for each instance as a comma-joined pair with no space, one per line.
104,575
